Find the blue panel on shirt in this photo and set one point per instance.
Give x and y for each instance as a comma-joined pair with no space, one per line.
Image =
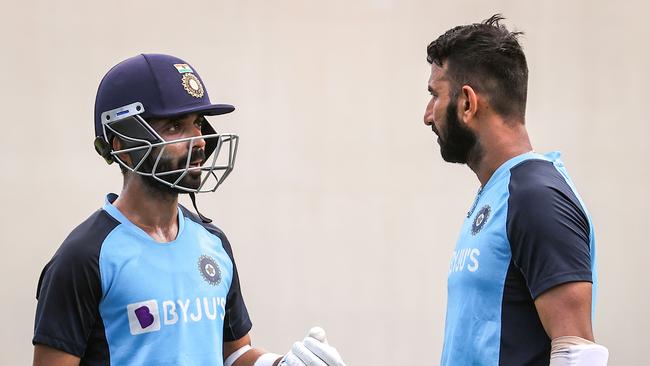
112,295
526,232
157,306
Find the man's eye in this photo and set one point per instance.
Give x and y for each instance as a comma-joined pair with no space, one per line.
199,122
174,127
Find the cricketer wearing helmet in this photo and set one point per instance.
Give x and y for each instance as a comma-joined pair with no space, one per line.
144,281
522,275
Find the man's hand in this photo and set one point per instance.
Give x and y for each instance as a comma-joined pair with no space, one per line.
312,351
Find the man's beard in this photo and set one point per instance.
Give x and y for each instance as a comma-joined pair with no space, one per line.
456,140
191,180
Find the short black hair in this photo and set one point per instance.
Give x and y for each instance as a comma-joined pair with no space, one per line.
487,57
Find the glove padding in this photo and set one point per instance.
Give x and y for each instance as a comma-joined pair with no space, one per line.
576,351
581,355
312,351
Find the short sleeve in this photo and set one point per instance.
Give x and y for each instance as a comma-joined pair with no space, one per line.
236,323
69,290
548,231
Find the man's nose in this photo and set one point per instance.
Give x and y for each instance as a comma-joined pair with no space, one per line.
428,115
197,142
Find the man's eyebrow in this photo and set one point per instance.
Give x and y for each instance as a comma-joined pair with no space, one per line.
178,118
159,124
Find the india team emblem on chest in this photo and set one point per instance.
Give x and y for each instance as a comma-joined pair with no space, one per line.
481,219
209,270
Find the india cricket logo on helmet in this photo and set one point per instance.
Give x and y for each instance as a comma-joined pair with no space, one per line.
209,270
481,219
192,85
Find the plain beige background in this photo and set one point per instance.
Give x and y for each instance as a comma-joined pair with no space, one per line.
340,209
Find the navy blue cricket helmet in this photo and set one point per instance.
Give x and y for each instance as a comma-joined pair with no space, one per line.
157,86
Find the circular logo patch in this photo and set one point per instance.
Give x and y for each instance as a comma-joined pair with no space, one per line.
481,218
192,85
209,270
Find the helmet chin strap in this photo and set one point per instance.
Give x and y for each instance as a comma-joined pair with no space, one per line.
206,220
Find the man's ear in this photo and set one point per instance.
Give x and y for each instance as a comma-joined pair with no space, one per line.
125,157
468,103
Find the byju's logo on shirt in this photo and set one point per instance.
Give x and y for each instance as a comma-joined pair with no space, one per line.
143,317
464,259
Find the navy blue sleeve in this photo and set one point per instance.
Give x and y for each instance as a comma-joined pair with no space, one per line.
547,228
69,289
236,323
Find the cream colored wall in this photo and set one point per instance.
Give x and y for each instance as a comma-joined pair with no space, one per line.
340,210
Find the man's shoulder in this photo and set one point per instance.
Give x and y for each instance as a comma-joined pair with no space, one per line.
86,239
539,183
211,228
540,194
78,255
536,176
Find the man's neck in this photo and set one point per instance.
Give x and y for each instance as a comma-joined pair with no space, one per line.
495,147
155,212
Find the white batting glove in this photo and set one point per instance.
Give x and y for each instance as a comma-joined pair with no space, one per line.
312,351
